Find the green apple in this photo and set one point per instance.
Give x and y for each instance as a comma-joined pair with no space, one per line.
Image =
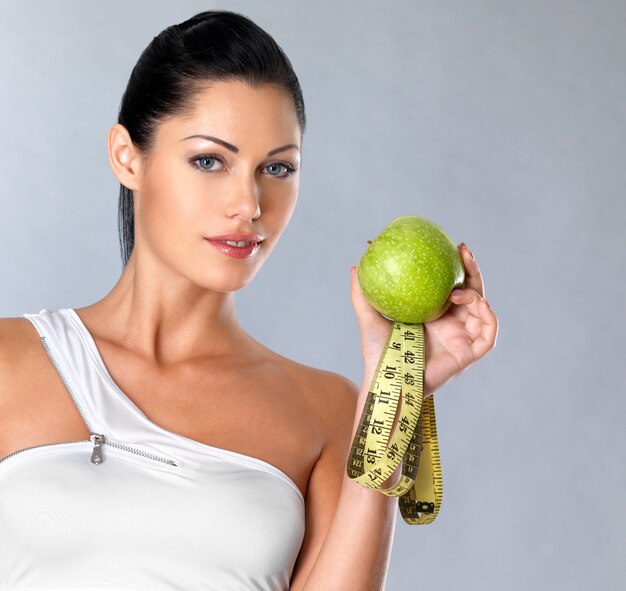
409,270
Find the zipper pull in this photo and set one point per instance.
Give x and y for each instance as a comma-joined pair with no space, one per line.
96,456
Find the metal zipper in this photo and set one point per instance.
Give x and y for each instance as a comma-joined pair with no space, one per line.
98,439
96,455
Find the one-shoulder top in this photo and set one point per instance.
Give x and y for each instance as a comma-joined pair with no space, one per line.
137,507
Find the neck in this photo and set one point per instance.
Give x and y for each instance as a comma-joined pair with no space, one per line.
164,317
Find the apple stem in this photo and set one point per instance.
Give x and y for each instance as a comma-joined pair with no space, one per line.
369,241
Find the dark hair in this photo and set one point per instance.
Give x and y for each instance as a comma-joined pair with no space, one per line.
214,45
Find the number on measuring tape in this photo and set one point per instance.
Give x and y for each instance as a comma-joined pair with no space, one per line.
376,451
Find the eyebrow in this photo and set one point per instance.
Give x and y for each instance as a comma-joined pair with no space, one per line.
235,148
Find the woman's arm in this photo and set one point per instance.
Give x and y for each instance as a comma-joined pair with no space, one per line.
353,552
350,528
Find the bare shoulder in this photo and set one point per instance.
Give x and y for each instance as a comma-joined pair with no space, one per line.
18,346
17,337
332,396
15,340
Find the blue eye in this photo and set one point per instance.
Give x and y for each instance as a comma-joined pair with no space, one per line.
205,163
289,169
203,159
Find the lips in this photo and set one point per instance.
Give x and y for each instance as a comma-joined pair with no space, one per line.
238,252
237,237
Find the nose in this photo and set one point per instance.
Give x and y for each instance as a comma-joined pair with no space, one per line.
245,198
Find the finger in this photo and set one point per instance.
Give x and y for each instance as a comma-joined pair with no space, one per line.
481,324
468,302
473,276
486,340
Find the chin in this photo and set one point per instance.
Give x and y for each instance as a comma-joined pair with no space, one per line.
227,282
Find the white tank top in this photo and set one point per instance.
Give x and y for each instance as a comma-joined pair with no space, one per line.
146,509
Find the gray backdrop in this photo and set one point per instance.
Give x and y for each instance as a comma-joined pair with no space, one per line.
504,122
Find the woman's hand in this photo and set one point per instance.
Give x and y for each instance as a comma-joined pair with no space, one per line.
452,342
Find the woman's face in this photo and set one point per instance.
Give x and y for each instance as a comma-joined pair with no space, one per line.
191,188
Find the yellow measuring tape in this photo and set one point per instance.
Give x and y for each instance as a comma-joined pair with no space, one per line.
376,453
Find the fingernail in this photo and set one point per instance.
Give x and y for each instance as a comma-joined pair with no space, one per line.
456,292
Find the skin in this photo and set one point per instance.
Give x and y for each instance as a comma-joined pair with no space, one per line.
177,291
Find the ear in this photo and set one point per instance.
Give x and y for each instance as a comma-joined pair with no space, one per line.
124,158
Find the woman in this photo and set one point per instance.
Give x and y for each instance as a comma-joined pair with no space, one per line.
149,442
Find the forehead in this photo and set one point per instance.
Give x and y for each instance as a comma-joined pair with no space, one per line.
239,113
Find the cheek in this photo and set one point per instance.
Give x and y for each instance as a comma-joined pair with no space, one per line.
279,207
169,212
288,212
289,208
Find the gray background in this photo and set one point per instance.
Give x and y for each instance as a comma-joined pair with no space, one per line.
504,122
